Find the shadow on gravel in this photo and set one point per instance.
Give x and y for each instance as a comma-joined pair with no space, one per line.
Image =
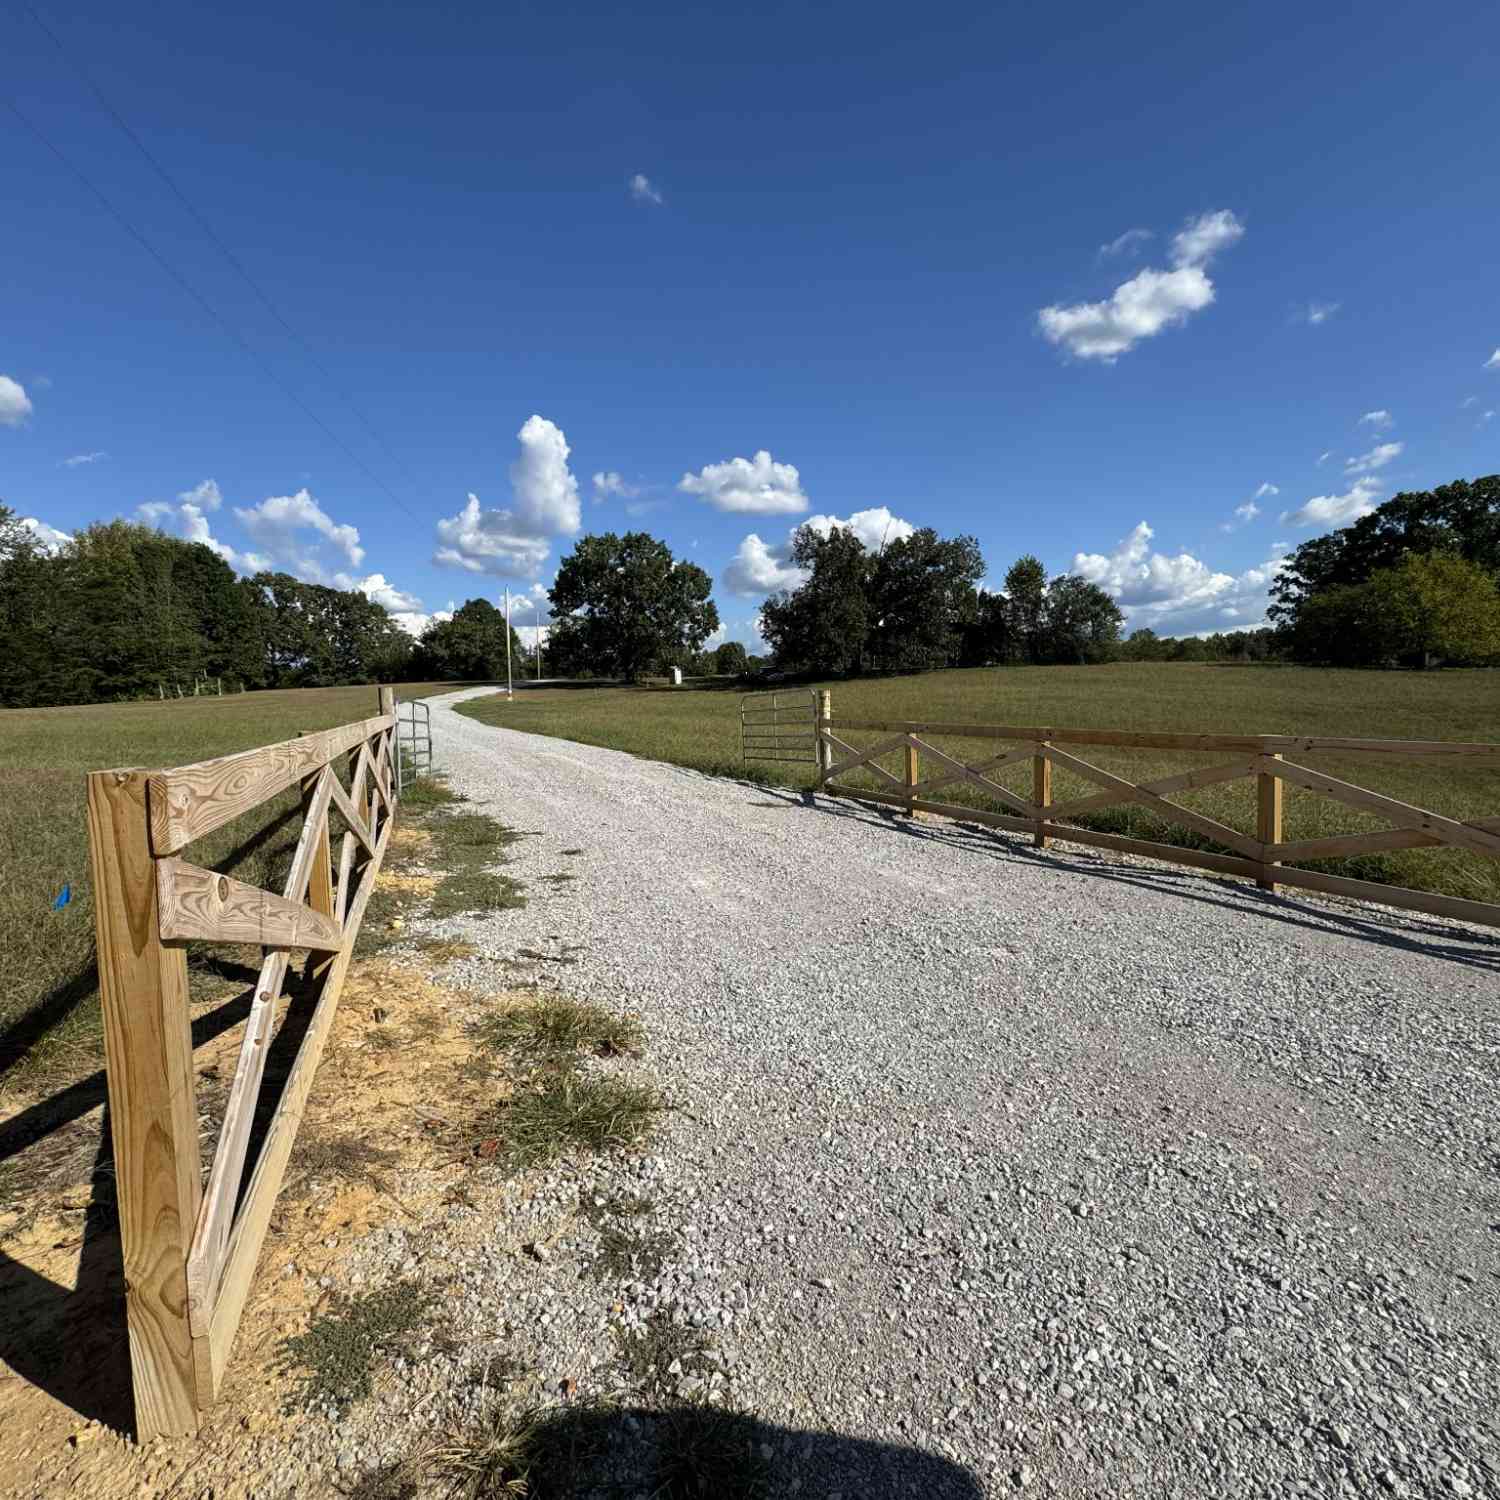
1409,932
691,1451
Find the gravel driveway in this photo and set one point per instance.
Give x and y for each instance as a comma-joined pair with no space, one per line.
1084,1174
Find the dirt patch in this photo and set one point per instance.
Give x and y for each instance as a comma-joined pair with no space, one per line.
376,1147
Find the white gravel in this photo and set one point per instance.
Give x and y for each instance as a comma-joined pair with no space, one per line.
1087,1175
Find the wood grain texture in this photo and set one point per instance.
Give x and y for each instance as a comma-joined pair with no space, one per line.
1041,796
1221,833
265,1181
189,801
198,905
1446,830
153,1116
1186,781
958,771
1268,822
867,757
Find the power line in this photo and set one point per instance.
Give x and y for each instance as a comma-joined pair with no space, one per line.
214,237
228,328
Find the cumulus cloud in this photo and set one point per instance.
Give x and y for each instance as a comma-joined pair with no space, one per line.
643,190
1317,313
1179,594
608,482
514,542
1378,420
49,538
1125,243
377,588
758,567
1151,301
756,486
1493,362
414,622
189,517
79,459
15,404
1377,458
281,524
1336,510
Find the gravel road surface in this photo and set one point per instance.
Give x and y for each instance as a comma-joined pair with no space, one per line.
1059,1172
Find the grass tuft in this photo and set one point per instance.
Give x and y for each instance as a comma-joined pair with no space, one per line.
557,1031
429,794
472,892
566,1112
337,1353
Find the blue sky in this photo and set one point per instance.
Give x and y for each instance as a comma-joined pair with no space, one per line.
1153,293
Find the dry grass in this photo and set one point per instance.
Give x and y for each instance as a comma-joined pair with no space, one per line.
556,1031
49,1021
700,729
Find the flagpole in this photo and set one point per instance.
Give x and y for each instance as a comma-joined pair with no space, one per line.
509,690
538,642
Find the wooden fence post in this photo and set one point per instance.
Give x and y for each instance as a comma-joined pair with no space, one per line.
911,778
320,882
825,750
1041,795
1268,821
143,992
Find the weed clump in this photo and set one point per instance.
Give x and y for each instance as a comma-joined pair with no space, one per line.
556,1031
336,1356
473,892
565,1112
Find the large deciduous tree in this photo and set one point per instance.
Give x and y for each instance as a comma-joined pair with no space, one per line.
1080,622
923,593
823,625
470,646
1026,601
623,606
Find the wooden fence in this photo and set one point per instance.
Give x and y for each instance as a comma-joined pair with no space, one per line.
1260,856
190,1250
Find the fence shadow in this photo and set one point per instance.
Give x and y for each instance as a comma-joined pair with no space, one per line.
707,1451
1408,932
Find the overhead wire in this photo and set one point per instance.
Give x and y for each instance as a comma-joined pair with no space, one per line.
230,331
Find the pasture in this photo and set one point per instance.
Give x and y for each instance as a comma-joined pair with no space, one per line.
698,726
47,1015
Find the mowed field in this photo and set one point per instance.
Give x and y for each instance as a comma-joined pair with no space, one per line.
47,1011
700,726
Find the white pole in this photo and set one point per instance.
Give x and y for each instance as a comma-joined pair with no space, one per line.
509,690
538,617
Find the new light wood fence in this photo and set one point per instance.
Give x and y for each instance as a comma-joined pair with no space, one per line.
1270,759
190,1249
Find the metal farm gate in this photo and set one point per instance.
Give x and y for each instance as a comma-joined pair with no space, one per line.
781,725
413,742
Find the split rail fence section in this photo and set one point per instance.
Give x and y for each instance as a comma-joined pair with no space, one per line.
190,1250
1259,856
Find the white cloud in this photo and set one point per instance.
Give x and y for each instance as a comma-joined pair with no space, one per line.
761,568
1150,301
1377,458
1485,416
280,523
380,590
1246,513
1467,402
1177,595
190,518
608,482
1379,420
414,622
1493,362
1266,489
1318,313
79,459
15,404
1336,510
1132,239
757,486
643,190
758,569
514,542
1324,456
49,538
1140,308
1200,239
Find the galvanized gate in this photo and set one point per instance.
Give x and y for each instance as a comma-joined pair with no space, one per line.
781,725
413,742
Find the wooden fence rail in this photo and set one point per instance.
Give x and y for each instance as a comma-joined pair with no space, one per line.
190,1250
1267,758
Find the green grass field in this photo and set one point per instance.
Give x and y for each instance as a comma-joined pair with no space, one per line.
699,727
47,1008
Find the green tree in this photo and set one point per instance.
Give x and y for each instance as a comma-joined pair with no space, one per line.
470,646
1080,622
623,606
823,625
731,660
1026,604
923,594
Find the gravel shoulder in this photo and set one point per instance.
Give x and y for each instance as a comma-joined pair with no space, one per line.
1080,1172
